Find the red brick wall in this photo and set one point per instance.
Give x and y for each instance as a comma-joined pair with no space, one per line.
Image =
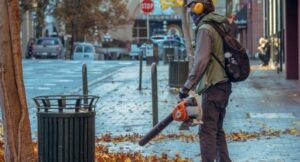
299,40
291,40
255,25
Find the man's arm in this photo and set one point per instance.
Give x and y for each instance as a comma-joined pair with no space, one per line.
201,60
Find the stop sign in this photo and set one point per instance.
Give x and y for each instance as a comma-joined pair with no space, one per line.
147,6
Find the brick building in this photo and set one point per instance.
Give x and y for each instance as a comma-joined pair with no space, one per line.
254,25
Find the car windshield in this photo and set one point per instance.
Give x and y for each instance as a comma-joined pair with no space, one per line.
157,38
88,49
79,49
172,43
47,42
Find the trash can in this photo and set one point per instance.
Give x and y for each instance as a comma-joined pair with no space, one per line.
66,128
178,72
168,55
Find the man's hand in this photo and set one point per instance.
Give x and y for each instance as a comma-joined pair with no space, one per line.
183,93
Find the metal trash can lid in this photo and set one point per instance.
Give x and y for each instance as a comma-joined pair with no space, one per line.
66,103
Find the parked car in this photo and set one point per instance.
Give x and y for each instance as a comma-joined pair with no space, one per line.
99,54
84,51
49,47
159,39
134,51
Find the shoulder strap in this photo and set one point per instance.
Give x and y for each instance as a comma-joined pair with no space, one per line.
218,60
222,32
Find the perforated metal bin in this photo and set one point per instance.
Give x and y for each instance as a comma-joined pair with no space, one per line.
66,128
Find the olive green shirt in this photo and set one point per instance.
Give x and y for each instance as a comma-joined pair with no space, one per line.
206,71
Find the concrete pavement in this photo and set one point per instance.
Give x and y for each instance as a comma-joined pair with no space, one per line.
264,102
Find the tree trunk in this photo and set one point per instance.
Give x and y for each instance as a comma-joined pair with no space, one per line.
229,7
40,16
16,124
187,36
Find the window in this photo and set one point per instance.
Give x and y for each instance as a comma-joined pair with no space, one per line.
88,49
56,42
48,42
79,49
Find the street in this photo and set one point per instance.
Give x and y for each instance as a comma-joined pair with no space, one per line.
49,47
45,77
262,121
58,77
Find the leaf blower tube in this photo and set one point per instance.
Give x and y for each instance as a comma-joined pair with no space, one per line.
184,111
156,130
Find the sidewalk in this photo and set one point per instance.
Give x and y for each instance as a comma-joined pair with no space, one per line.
266,102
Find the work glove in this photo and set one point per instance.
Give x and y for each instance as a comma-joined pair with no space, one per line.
183,93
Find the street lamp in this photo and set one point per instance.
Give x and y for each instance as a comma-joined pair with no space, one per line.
107,38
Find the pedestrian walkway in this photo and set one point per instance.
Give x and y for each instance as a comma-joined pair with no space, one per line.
266,102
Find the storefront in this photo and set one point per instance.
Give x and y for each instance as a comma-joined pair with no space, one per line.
274,31
291,47
281,27
158,24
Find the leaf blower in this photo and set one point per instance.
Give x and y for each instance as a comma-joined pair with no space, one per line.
187,111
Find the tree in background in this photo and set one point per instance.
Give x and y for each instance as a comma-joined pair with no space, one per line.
229,8
84,18
41,8
165,4
15,117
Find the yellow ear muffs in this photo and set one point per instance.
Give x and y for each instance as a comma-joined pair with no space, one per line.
198,8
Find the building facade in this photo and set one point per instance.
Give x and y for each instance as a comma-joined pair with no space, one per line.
27,31
291,30
279,22
282,26
143,26
254,25
274,30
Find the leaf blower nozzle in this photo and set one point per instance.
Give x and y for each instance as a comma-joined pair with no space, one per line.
183,112
156,130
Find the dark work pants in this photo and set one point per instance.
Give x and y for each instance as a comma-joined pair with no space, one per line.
212,137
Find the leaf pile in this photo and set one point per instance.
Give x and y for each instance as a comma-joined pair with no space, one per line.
103,155
107,137
234,136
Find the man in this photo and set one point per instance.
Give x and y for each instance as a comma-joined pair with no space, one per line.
208,78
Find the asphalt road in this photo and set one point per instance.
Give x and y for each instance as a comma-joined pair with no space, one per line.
265,102
48,77
58,77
